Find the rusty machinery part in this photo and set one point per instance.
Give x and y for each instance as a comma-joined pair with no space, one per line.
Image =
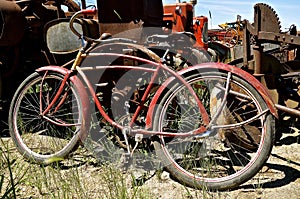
124,47
72,5
149,11
10,15
231,37
266,19
193,2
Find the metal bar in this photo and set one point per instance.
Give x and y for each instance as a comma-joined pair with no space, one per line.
279,37
257,53
288,110
145,96
122,67
229,126
57,95
215,117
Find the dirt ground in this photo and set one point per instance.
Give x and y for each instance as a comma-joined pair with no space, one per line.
281,178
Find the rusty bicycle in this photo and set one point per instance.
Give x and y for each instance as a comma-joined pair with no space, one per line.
210,124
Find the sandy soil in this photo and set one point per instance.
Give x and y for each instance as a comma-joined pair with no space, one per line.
281,178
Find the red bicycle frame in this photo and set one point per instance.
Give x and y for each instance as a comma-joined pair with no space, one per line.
158,67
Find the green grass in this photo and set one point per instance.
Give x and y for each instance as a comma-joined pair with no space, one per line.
80,176
12,173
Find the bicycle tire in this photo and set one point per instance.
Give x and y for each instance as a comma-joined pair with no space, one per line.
45,140
226,159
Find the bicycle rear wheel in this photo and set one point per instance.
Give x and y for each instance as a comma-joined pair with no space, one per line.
238,143
44,139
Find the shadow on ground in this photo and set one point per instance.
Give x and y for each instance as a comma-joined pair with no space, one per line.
290,175
289,170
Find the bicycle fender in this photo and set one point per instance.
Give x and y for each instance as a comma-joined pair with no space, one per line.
214,66
82,93
57,69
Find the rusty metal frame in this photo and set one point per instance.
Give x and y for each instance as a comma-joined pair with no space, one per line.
262,33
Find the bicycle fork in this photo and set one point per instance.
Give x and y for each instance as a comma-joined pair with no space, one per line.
44,112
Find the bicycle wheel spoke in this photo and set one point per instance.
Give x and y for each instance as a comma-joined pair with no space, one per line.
54,134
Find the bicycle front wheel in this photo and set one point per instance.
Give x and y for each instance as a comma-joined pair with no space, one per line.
238,143
44,138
